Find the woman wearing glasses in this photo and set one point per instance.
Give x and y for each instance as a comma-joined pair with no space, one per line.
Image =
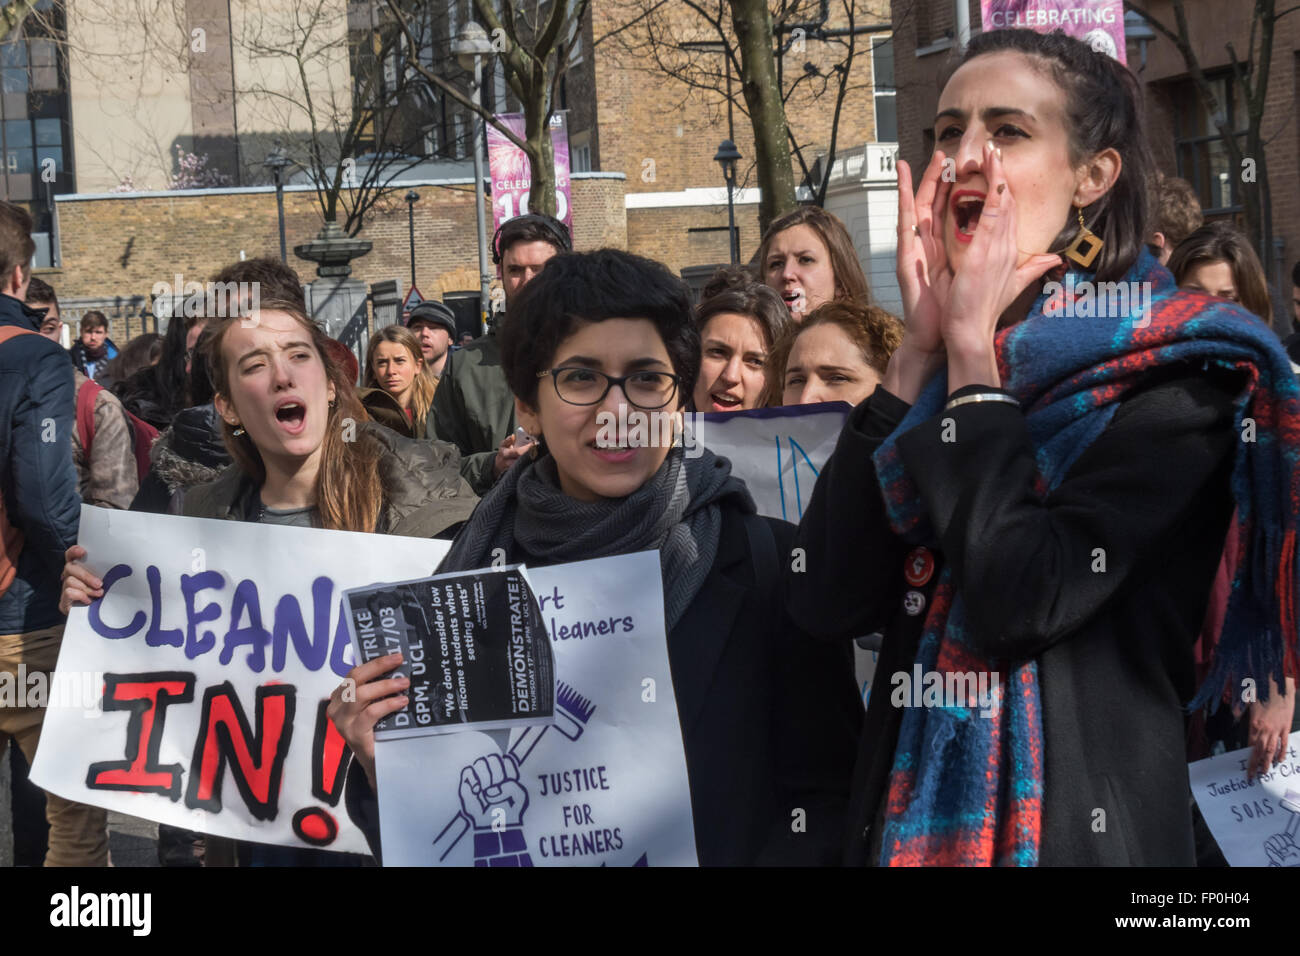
768,722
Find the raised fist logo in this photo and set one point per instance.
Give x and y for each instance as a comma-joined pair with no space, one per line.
491,796
1282,850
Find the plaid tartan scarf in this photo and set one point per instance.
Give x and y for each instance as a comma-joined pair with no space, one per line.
966,789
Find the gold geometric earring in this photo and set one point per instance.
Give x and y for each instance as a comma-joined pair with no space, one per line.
1083,250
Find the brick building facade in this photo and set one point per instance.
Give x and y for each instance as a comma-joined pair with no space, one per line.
626,120
923,31
121,244
663,135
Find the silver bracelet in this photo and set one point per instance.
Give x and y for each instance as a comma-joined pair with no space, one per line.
981,397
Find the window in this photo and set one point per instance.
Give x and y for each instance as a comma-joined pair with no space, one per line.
883,90
575,48
45,65
1201,151
460,134
392,67
13,63
499,88
34,117
581,159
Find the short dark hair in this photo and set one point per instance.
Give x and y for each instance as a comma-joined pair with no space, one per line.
136,354
592,287
532,227
1103,110
94,319
40,291
274,279
1295,274
16,245
734,289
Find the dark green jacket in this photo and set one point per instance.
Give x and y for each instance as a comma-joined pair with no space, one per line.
473,409
424,495
384,409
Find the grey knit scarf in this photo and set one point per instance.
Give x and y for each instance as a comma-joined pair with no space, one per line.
675,511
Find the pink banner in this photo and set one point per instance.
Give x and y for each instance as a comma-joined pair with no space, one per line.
512,178
1098,23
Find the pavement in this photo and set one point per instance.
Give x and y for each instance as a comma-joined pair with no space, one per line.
131,841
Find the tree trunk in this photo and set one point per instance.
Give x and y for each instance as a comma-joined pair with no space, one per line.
1255,196
753,24
541,162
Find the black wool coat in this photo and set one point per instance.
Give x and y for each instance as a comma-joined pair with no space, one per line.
1114,647
769,718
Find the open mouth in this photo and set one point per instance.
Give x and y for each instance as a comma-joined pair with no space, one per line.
967,206
722,402
795,299
292,415
612,453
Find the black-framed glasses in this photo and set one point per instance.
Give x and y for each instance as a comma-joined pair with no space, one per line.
586,386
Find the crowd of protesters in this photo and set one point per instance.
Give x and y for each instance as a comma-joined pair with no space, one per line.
993,451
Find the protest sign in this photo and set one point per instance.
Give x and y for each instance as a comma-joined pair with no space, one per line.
777,452
1098,23
219,643
604,784
512,177
1255,822
473,647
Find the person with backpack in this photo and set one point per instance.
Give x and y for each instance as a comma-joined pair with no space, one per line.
103,443
103,448
282,401
41,513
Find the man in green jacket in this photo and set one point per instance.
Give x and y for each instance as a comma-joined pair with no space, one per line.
473,407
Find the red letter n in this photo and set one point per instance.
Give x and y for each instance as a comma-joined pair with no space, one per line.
256,760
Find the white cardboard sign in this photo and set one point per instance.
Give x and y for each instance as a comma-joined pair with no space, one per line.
777,452
1256,822
605,784
193,692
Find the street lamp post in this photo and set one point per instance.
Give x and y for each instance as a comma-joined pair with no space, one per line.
470,46
727,157
276,162
412,198
1136,29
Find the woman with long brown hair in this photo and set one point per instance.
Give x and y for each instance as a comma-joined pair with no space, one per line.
305,453
740,320
396,392
1217,260
808,258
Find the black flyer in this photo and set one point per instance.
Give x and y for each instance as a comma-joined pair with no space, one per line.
473,645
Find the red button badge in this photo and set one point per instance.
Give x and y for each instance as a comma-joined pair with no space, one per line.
919,567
